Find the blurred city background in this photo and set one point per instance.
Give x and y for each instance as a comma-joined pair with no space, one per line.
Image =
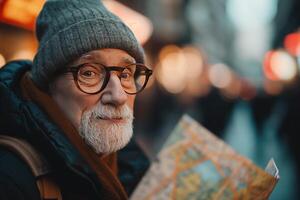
233,65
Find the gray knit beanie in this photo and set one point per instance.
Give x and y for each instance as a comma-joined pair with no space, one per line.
66,29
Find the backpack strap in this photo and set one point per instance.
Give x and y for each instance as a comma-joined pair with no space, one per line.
49,190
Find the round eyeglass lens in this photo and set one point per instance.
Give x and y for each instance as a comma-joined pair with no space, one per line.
90,78
137,79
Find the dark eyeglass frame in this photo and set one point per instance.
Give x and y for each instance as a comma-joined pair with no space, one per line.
74,70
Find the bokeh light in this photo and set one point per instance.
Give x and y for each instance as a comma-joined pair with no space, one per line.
180,69
2,60
220,75
268,71
292,43
194,62
171,72
23,54
194,66
279,65
21,13
140,25
233,90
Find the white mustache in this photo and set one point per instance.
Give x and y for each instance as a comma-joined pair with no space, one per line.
111,112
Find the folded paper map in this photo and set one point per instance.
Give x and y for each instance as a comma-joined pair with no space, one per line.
195,164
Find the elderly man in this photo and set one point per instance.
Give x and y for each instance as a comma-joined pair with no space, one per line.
74,105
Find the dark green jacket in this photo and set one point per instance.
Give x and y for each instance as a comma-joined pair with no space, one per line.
24,119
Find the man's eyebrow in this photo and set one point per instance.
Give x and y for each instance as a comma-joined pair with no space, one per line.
128,60
81,59
87,57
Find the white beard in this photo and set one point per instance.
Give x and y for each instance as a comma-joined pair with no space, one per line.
105,136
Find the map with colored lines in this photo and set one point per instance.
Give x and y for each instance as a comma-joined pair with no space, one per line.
195,164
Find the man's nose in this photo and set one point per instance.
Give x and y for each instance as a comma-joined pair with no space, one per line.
114,93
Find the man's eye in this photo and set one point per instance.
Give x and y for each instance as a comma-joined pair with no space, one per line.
88,74
126,75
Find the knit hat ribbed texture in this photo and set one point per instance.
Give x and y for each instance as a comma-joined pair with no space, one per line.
66,29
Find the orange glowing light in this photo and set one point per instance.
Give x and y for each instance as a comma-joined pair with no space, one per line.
140,25
195,67
292,43
21,13
23,54
194,62
168,50
2,60
180,69
279,65
172,61
267,66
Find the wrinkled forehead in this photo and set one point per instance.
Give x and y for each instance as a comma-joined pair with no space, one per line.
105,56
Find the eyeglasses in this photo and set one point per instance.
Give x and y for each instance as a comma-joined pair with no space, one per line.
92,78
